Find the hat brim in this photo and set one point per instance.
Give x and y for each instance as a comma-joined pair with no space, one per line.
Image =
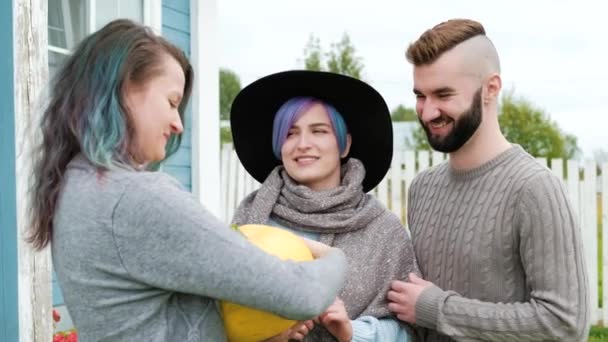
364,111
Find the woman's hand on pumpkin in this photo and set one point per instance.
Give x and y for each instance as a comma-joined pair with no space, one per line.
336,321
297,332
300,330
317,249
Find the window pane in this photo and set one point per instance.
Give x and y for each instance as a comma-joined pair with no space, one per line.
67,22
56,26
108,10
55,61
78,11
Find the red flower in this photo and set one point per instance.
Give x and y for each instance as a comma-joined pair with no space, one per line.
56,316
59,338
72,337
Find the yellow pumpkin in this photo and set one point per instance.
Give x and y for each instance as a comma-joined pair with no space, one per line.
244,324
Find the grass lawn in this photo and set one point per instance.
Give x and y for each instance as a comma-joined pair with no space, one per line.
599,334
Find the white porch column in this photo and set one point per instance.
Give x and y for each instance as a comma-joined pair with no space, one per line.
153,15
30,79
205,104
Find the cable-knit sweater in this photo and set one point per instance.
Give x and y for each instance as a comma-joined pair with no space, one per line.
503,247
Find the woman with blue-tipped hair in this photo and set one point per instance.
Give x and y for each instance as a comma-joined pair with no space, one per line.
137,257
318,142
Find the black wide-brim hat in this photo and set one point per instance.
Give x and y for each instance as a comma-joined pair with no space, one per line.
364,111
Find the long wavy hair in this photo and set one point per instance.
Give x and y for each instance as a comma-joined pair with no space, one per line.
87,111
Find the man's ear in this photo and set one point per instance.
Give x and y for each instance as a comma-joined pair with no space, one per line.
493,87
349,140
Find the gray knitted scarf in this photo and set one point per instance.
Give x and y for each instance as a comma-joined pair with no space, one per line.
377,246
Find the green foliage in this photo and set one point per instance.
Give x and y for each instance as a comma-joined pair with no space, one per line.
598,334
230,85
419,140
402,113
342,57
314,55
523,123
225,135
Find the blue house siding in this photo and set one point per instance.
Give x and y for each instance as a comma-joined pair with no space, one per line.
9,314
176,28
56,290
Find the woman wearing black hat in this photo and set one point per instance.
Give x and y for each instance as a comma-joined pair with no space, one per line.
319,141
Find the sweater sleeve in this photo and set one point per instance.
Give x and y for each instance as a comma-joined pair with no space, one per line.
372,329
166,239
550,250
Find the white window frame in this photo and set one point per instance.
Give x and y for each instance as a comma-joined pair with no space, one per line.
152,17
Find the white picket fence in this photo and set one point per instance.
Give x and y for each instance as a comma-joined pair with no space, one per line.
582,182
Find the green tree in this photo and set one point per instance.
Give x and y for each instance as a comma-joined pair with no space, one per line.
230,85
525,124
313,54
225,135
402,113
342,57
419,140
529,126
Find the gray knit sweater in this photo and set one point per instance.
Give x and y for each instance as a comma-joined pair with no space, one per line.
503,247
139,259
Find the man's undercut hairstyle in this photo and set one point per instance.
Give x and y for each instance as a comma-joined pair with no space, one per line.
441,38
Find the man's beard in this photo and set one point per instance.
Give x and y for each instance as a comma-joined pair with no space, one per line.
463,129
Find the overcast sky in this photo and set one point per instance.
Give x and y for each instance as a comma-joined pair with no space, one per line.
554,53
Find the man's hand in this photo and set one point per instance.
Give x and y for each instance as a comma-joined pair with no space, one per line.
403,296
336,321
